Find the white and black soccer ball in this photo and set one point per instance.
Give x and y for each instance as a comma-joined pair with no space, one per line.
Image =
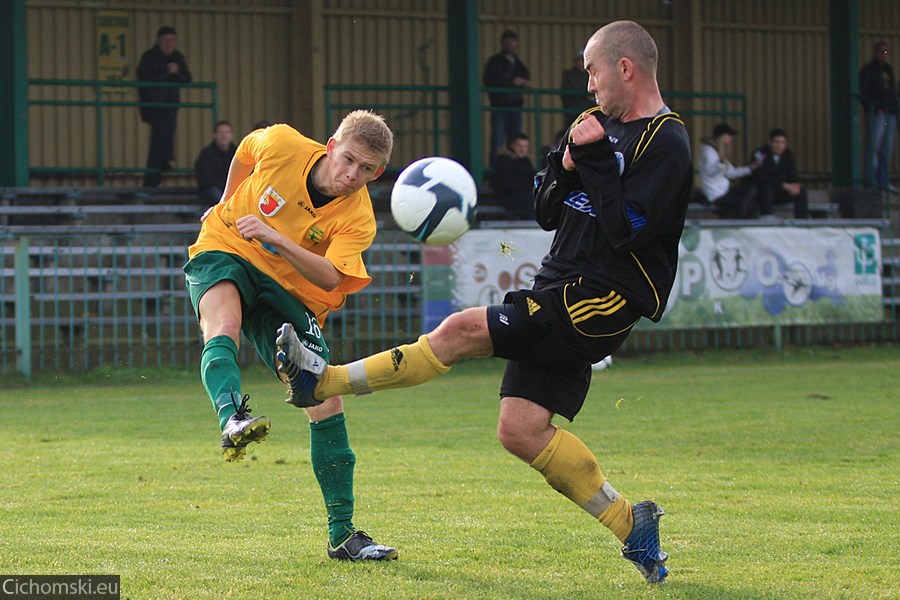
434,200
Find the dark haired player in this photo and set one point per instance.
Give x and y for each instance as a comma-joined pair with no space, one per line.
616,193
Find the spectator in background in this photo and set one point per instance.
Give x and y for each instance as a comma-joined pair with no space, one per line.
505,70
719,179
211,166
776,177
575,78
878,94
513,178
161,64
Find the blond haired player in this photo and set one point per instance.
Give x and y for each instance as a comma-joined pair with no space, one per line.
284,247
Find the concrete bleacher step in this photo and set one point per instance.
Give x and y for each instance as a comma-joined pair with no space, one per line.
101,205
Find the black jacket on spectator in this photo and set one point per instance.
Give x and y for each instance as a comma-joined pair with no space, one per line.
499,71
877,88
153,67
774,173
211,166
768,179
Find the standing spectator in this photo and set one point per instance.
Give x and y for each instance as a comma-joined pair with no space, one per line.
513,178
776,178
719,179
878,94
163,64
505,70
211,166
575,78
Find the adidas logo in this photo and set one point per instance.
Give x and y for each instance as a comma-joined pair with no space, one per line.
396,357
533,306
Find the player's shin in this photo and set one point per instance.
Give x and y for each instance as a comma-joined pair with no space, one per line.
333,461
571,469
221,376
403,366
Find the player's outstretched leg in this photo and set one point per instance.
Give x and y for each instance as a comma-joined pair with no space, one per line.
642,546
302,366
241,429
359,546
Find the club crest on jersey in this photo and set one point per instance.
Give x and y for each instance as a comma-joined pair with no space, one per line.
270,202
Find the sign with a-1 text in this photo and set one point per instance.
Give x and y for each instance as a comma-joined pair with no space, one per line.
114,43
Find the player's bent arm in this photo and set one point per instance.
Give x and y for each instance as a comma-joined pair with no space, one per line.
553,186
237,173
318,270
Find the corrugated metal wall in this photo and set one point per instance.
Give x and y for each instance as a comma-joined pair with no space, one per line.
775,52
240,45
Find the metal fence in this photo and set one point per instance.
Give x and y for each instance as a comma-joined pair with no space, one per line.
97,296
114,296
420,115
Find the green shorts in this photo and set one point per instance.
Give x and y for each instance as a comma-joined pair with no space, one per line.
265,304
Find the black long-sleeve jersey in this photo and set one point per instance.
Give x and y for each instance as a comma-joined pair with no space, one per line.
620,215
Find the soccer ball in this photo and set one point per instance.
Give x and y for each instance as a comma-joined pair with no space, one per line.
434,200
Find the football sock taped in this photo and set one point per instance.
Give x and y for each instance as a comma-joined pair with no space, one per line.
572,470
221,376
403,366
333,461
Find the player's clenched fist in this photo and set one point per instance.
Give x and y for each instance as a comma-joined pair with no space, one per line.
587,131
251,228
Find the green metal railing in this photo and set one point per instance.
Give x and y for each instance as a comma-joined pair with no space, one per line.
99,103
92,296
98,296
431,104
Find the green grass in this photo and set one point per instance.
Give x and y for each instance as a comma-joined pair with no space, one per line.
779,476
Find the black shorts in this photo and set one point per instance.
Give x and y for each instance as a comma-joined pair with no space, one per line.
552,336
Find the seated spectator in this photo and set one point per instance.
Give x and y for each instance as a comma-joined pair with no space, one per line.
776,178
513,177
211,166
720,180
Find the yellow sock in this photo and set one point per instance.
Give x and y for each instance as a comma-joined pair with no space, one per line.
572,470
403,366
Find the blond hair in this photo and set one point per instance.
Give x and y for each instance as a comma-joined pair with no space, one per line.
368,128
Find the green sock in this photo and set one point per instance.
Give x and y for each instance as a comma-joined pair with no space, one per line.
221,376
333,461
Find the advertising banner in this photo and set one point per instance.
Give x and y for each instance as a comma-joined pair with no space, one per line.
728,277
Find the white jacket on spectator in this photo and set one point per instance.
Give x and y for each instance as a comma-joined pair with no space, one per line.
716,174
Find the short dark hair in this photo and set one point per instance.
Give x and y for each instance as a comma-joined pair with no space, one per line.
219,123
722,129
516,137
165,30
509,33
777,132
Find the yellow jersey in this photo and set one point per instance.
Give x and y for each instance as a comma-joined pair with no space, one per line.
276,192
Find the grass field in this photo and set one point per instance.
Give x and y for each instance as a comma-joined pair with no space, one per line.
779,475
